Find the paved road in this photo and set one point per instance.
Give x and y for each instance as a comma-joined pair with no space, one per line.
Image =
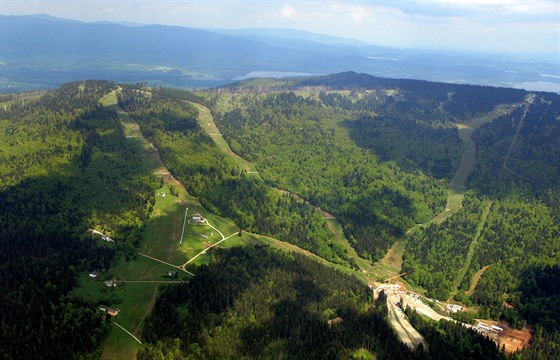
166,263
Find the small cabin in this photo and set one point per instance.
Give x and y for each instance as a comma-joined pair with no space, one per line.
113,312
93,274
197,219
172,274
110,283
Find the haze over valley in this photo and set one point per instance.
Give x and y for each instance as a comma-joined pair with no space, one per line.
41,51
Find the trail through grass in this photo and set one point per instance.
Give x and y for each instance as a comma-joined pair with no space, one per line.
470,253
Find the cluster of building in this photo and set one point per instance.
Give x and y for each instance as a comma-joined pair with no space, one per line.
483,327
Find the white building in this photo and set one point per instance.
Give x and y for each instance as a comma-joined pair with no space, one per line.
454,308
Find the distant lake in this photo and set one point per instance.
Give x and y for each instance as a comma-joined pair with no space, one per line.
539,86
272,74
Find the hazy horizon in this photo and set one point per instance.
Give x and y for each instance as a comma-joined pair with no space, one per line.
530,27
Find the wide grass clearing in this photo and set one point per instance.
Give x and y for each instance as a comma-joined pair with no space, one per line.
363,354
134,300
139,278
476,279
109,99
119,345
206,122
390,265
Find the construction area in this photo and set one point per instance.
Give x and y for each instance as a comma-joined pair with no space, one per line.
396,292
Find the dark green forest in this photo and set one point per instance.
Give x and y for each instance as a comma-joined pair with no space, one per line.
305,146
266,304
376,153
65,168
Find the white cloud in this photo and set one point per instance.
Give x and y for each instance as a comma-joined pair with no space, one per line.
289,12
359,14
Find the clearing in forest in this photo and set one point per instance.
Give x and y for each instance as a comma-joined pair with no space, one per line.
206,122
476,279
140,278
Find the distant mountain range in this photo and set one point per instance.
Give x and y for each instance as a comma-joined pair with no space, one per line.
41,51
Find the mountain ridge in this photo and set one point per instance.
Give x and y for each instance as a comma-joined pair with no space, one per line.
41,51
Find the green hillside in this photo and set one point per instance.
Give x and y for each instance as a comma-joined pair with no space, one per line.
246,221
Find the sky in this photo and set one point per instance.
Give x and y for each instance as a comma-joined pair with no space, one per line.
496,26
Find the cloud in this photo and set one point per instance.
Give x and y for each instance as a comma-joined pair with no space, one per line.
289,12
359,14
512,10
508,25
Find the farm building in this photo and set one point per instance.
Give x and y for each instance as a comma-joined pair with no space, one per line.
197,219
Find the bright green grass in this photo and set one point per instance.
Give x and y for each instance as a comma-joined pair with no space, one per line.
109,99
363,354
390,265
206,122
136,303
119,345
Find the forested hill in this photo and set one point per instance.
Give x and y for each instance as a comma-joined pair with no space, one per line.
372,151
255,303
64,167
459,100
378,155
349,142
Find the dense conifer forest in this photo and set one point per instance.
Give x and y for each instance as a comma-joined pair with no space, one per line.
65,168
265,304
